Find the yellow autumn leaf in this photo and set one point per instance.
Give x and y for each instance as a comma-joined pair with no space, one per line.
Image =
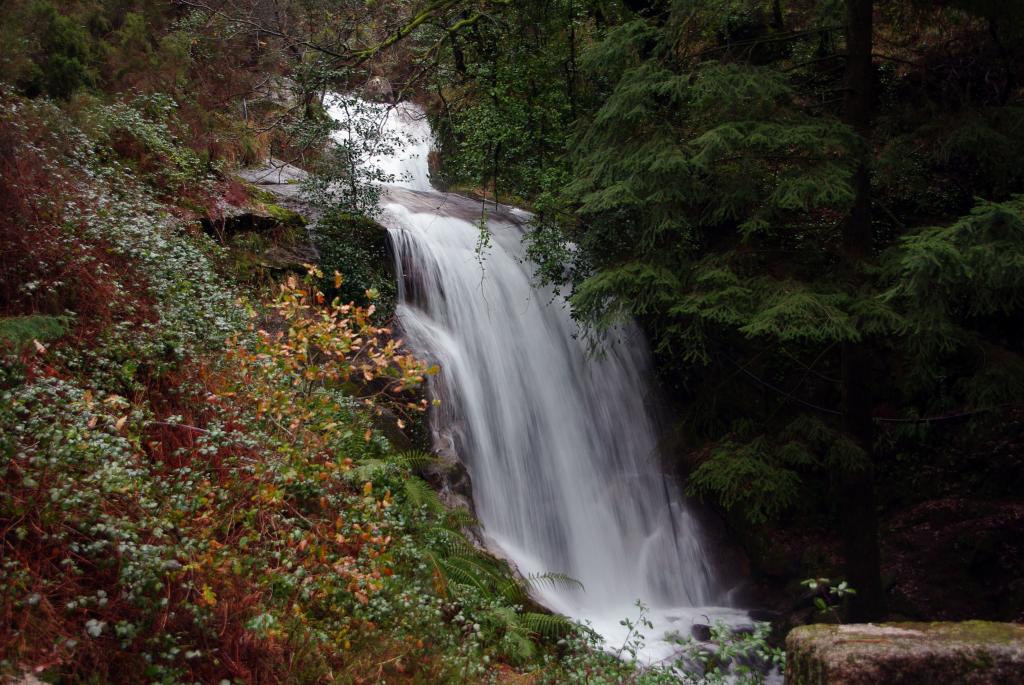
367,488
338,280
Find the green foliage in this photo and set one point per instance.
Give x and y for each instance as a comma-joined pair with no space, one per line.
460,568
147,123
67,50
828,597
738,658
704,158
60,49
21,331
945,276
950,281
750,478
357,247
792,313
412,460
507,98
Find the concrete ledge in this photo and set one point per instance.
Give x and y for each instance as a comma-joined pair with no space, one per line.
972,652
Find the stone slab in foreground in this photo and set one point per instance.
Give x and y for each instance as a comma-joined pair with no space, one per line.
972,652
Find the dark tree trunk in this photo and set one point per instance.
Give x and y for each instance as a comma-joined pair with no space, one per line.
570,69
778,23
858,512
457,54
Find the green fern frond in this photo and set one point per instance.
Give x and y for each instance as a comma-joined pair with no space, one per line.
517,590
437,571
476,572
554,581
371,468
524,648
551,626
415,459
451,543
461,518
420,494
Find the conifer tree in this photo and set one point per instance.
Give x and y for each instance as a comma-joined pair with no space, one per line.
790,209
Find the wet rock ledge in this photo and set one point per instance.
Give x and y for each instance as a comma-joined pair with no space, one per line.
972,652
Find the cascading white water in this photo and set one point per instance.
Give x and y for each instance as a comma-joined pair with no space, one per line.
559,443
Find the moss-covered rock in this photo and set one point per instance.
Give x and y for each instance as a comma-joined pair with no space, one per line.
906,654
358,248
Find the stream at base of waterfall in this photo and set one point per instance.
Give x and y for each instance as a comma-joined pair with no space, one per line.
558,438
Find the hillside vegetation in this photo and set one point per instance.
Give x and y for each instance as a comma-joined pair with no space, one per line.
196,482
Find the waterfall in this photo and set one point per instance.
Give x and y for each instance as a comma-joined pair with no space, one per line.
559,441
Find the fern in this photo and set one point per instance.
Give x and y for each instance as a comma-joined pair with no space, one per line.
553,581
419,493
450,543
372,468
551,626
476,571
510,622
